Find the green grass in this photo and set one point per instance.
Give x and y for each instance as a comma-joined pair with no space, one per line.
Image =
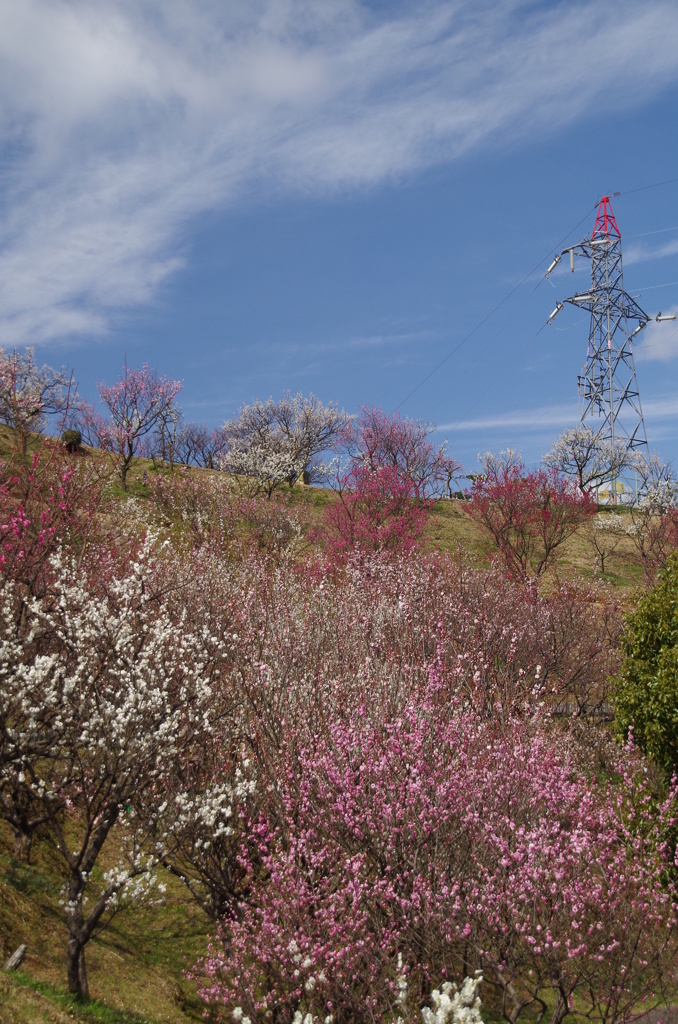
450,527
30,996
136,967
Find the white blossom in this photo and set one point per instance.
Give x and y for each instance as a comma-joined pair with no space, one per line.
273,443
458,1006
580,453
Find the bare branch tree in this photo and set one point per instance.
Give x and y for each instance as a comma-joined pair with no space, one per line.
607,533
164,443
197,445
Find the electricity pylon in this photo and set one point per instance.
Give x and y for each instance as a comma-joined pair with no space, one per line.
608,389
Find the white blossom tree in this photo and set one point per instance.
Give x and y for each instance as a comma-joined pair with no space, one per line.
30,394
579,453
202,845
100,693
496,463
654,517
273,443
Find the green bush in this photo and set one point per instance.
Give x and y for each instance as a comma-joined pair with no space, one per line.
646,697
72,440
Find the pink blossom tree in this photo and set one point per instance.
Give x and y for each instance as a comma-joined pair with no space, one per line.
429,835
54,501
381,441
137,403
384,495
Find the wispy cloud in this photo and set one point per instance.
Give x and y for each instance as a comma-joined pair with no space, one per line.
392,340
643,253
550,417
121,122
542,416
665,408
659,341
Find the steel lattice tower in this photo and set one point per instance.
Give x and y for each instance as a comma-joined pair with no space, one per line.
608,389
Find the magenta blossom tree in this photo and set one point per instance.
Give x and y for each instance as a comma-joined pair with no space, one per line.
527,515
375,510
137,403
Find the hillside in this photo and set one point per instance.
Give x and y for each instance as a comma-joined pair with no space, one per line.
137,965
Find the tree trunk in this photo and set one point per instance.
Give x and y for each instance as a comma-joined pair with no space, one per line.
77,971
23,842
561,1009
16,959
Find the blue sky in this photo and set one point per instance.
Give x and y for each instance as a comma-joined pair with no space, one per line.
328,196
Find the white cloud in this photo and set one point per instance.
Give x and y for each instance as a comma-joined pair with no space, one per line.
643,253
542,419
390,339
661,408
121,121
542,416
659,341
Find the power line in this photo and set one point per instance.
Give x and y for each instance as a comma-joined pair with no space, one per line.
505,299
493,381
657,345
483,348
649,287
646,188
501,303
657,231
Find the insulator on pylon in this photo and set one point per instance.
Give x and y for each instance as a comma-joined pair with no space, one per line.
553,266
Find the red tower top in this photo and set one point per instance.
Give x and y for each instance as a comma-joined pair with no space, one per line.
605,222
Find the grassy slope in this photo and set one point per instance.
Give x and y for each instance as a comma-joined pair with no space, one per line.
136,967
451,528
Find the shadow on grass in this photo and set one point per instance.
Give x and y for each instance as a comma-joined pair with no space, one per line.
93,1012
